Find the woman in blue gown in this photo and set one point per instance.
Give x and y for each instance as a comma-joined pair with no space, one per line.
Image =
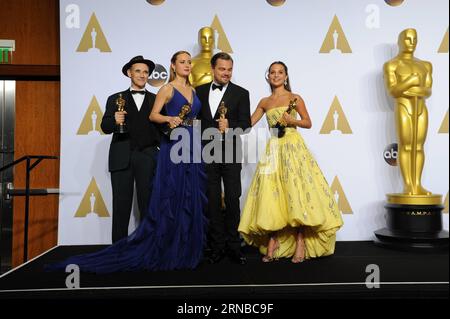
172,233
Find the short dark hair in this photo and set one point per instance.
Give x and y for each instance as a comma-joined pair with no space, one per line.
220,55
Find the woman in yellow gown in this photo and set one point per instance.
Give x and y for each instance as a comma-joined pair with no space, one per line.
290,210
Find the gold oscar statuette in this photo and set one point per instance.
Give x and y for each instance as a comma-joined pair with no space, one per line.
281,124
122,127
409,80
414,217
201,63
185,110
222,112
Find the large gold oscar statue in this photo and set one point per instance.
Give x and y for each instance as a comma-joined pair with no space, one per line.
201,63
414,217
409,81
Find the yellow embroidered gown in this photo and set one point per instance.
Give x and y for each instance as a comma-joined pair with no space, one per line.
289,190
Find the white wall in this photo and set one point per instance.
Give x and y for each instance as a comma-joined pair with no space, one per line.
259,34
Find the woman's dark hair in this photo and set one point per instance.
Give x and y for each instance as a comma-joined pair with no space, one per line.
287,84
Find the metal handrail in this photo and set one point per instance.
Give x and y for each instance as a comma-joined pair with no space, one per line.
30,166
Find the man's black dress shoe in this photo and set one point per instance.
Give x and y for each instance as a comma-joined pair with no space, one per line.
237,257
215,257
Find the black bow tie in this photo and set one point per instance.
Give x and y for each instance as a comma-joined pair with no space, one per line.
137,92
220,87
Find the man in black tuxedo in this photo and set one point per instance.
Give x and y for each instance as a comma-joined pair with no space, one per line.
132,154
223,230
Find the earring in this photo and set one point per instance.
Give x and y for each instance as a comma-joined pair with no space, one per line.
285,82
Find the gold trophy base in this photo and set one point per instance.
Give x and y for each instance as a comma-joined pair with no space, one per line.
405,199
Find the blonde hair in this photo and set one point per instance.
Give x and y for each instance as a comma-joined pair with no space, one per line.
173,60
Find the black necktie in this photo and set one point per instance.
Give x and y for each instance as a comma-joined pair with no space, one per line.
137,92
220,87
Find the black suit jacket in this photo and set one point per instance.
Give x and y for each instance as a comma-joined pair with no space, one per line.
237,101
142,132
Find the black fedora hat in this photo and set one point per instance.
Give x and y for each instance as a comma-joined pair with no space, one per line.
138,59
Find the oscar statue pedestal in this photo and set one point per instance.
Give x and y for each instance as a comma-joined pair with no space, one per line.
413,223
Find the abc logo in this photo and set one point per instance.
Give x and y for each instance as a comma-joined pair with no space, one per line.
390,154
159,76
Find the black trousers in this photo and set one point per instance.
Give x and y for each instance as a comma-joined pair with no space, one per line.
223,228
141,171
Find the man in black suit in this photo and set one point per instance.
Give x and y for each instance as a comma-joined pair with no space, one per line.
223,230
132,154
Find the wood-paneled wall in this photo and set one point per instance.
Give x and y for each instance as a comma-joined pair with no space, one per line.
34,25
37,132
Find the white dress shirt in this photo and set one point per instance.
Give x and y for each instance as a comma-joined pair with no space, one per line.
215,97
138,98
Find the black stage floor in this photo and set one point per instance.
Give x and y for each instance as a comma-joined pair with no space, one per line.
344,275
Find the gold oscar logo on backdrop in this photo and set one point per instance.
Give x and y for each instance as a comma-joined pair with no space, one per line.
336,122
394,3
335,40
276,3
443,48
91,120
446,204
444,126
156,2
92,202
340,197
221,39
93,39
